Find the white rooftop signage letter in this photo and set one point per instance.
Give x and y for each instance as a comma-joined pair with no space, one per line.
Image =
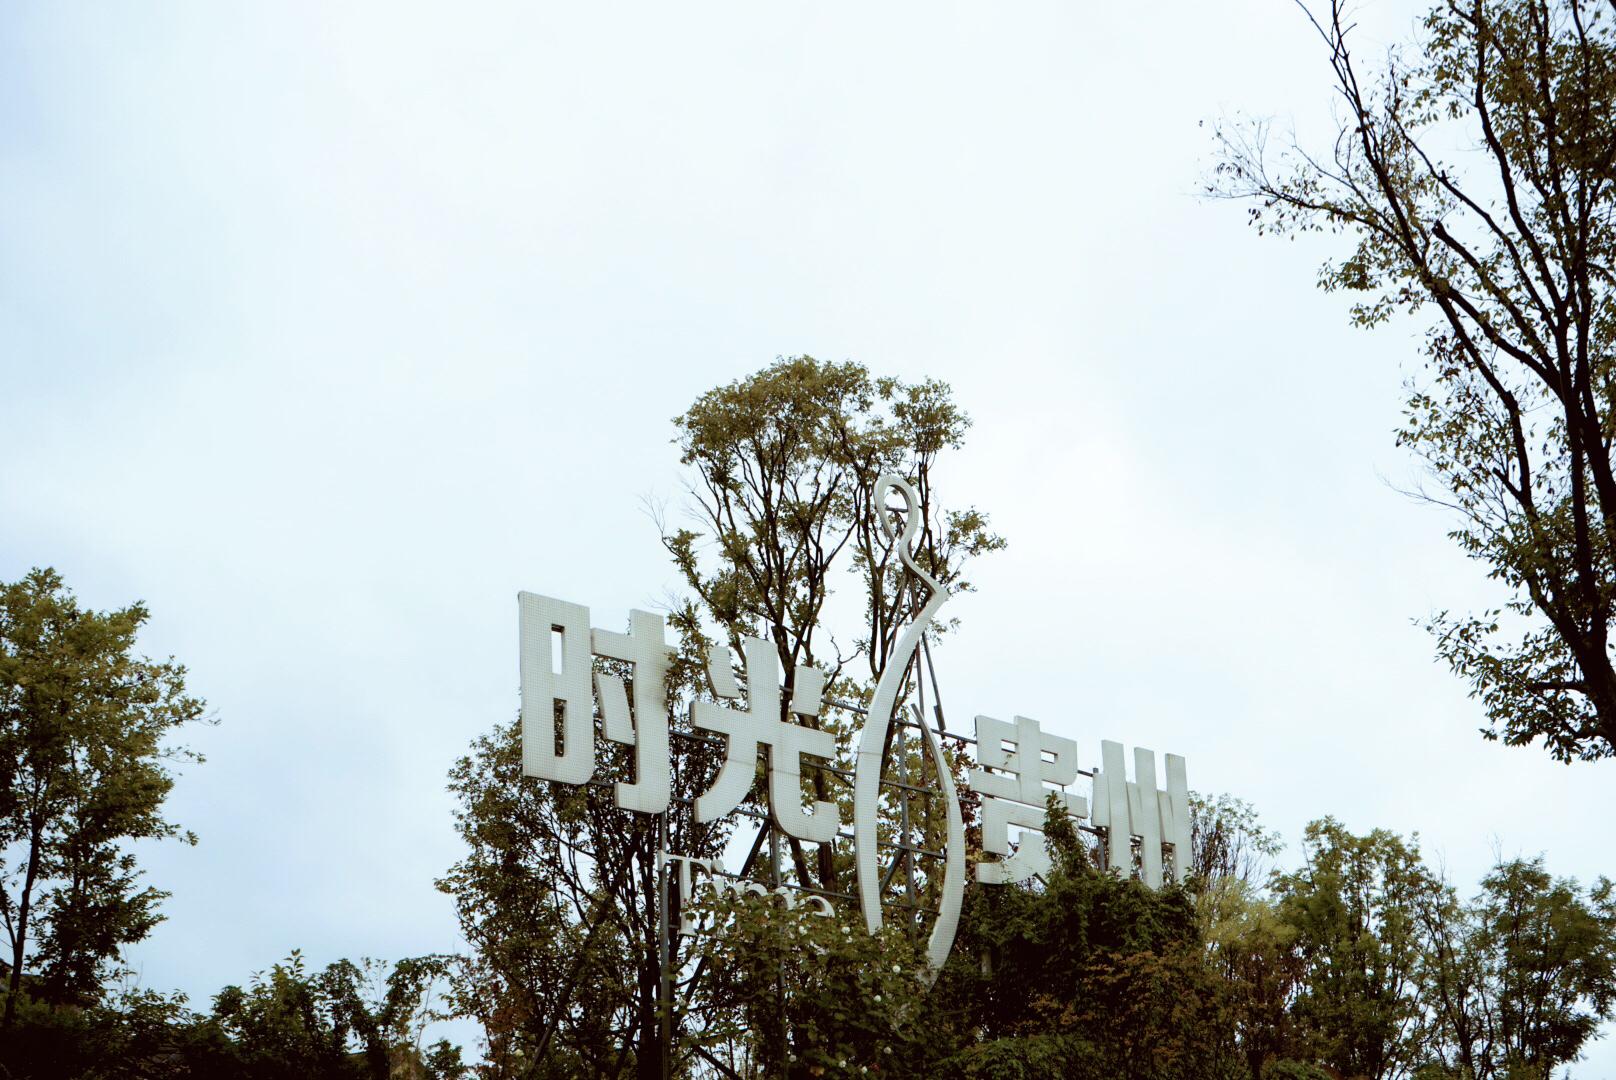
759,725
1175,814
545,690
1126,809
1144,810
643,646
1015,795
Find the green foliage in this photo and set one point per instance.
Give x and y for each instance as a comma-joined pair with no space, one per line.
1502,250
1293,1070
556,896
1031,1057
813,996
84,727
1355,908
1228,841
1255,950
1043,945
119,1036
1364,963
1109,971
337,1023
786,462
1083,975
347,1022
1520,979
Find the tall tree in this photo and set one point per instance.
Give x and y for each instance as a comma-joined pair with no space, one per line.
349,1021
557,893
1248,943
1552,951
1520,978
1459,1000
785,465
1477,175
85,749
1228,841
557,897
785,468
1354,908
1255,951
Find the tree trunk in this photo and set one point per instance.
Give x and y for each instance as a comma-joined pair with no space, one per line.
649,1059
19,946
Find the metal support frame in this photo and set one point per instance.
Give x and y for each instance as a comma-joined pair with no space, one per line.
674,996
888,730
665,951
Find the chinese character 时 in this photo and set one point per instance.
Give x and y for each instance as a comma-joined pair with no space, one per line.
1014,794
759,725
557,698
1136,808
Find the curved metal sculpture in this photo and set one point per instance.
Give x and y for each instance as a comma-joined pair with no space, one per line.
872,745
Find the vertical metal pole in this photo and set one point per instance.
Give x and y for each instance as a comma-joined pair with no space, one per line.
900,744
664,950
911,891
774,856
780,979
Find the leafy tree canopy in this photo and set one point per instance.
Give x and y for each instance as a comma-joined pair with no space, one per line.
84,768
1476,174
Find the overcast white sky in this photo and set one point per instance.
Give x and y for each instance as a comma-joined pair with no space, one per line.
326,328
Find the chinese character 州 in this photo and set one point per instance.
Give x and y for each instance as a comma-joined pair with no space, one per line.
1128,808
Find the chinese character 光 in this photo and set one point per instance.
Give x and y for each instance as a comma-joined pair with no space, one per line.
759,725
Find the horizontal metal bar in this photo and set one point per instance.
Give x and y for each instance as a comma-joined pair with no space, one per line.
897,719
966,796
835,770
720,740
966,739
695,736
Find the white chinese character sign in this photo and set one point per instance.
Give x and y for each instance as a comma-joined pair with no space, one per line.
1018,766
